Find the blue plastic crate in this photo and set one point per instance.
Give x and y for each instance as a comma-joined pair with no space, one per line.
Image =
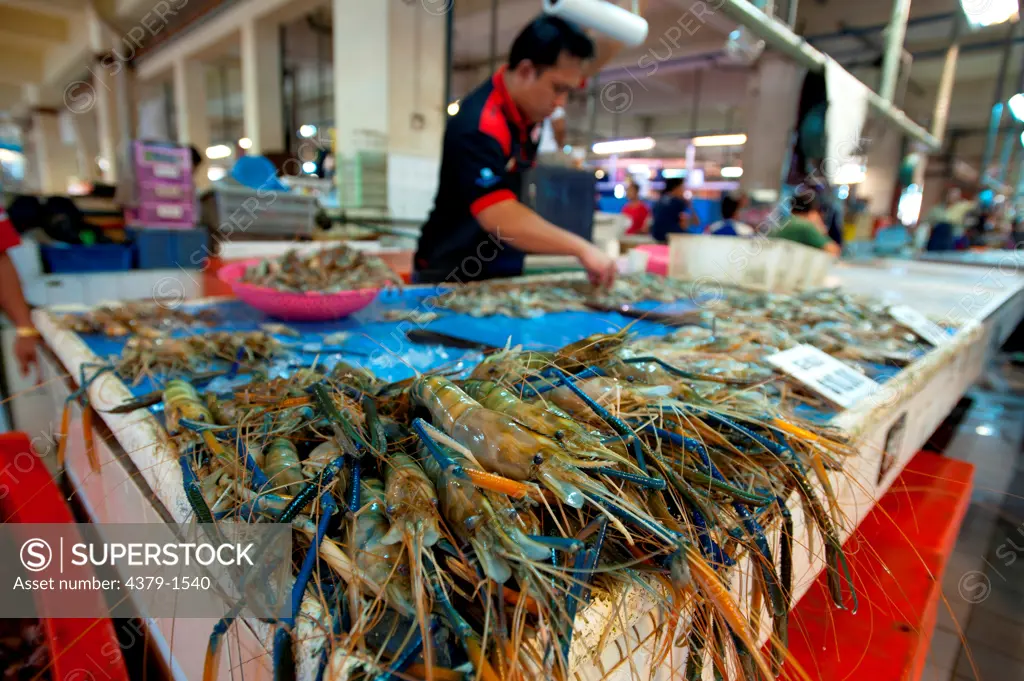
71,259
158,249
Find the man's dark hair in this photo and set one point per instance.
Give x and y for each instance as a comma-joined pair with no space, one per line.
672,184
547,37
731,205
805,200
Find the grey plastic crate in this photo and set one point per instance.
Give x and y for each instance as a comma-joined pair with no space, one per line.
236,211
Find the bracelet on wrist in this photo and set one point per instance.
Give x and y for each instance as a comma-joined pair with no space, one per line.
27,332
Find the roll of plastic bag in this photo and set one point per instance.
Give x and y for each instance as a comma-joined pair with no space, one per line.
603,17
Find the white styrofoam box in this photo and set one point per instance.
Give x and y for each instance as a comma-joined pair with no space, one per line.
762,264
26,259
412,185
34,290
245,250
67,289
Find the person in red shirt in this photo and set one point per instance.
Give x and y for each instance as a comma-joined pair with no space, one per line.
12,300
637,211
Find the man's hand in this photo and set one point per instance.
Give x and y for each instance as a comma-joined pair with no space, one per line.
25,352
600,268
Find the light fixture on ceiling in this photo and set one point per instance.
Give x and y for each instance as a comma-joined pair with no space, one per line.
218,151
599,174
720,140
453,108
620,191
673,173
624,146
309,167
215,173
245,143
990,12
307,130
732,172
849,173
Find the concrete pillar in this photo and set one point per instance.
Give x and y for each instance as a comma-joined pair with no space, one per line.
191,109
773,95
57,161
87,141
388,163
882,174
105,89
261,85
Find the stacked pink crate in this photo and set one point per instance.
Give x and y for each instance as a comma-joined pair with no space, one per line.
166,195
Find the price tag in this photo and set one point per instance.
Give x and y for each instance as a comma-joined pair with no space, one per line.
919,324
824,374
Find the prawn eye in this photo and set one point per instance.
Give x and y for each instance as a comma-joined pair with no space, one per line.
630,379
390,509
538,459
559,434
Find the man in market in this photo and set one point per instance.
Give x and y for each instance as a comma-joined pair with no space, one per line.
12,300
806,225
479,229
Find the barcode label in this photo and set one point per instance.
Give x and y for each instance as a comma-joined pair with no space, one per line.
919,324
825,375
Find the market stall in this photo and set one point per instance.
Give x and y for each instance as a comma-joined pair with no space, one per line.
134,471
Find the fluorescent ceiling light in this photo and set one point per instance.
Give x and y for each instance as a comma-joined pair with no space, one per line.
215,173
309,167
673,173
624,146
218,151
307,131
245,143
849,173
732,171
720,140
989,12
1017,106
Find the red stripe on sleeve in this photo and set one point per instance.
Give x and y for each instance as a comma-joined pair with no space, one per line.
488,200
8,236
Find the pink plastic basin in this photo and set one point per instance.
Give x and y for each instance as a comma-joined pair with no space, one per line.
657,258
296,307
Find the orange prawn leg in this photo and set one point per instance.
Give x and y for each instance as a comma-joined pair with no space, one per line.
440,673
90,445
714,590
476,656
503,485
795,430
62,436
514,597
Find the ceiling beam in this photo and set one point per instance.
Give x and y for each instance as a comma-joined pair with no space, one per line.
20,67
28,26
59,8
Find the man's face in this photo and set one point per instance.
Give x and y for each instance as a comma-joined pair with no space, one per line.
540,91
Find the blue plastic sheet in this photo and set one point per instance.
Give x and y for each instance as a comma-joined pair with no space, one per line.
382,347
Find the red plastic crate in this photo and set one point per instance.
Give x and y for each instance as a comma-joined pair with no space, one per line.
81,648
897,557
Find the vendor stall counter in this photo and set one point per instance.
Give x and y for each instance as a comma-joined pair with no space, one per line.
138,479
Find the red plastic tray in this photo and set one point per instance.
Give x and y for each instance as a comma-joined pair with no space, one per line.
82,648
